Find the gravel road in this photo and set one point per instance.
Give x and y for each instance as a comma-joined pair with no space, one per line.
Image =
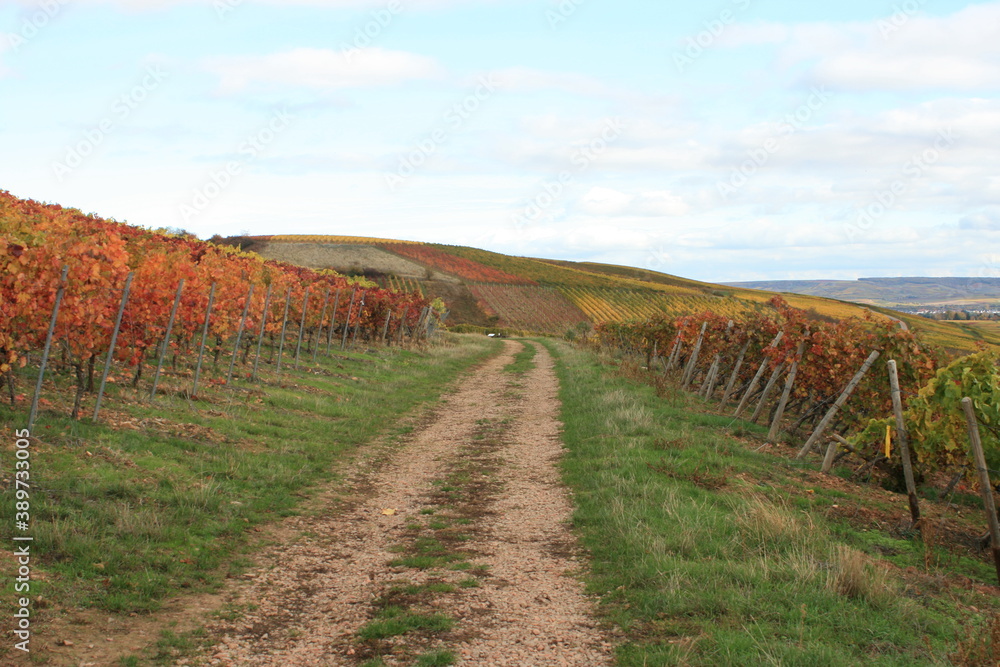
459,532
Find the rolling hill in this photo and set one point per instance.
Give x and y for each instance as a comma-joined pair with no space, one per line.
488,289
891,292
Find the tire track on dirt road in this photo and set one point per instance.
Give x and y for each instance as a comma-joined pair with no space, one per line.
306,601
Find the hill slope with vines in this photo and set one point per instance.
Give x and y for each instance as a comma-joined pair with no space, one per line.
481,288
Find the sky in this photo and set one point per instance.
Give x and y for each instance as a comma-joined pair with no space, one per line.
723,141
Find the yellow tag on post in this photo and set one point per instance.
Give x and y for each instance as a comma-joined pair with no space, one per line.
888,441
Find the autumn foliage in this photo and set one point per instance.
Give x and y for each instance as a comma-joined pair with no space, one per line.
831,353
38,240
453,264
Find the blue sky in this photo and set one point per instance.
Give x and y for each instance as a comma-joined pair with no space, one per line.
731,140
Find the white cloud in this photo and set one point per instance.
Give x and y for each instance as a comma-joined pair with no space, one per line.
984,221
526,79
602,201
323,69
871,70
960,51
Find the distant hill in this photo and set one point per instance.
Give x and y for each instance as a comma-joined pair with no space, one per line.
489,289
890,292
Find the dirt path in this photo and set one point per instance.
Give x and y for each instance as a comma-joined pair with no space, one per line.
455,543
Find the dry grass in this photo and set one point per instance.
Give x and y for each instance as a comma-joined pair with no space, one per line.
981,645
762,522
852,575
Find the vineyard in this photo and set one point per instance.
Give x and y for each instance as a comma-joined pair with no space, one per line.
618,305
866,389
337,240
603,292
402,284
826,357
528,307
455,265
79,292
536,271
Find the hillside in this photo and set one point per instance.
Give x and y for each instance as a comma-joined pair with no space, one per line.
489,289
893,291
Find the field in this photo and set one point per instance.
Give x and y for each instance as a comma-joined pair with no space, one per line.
603,292
603,304
442,498
457,265
711,547
991,326
529,307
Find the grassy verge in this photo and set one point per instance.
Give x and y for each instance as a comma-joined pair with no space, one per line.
706,552
160,498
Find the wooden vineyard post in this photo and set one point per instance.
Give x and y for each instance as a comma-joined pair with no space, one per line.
48,347
302,326
322,318
400,321
904,443
764,395
831,452
415,334
385,327
239,336
732,376
357,322
710,379
347,322
333,322
772,434
832,412
713,373
166,339
260,334
284,325
756,378
111,347
204,337
401,327
989,504
693,361
675,351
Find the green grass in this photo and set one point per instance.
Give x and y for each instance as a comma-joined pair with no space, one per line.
436,659
123,518
394,621
704,553
523,361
